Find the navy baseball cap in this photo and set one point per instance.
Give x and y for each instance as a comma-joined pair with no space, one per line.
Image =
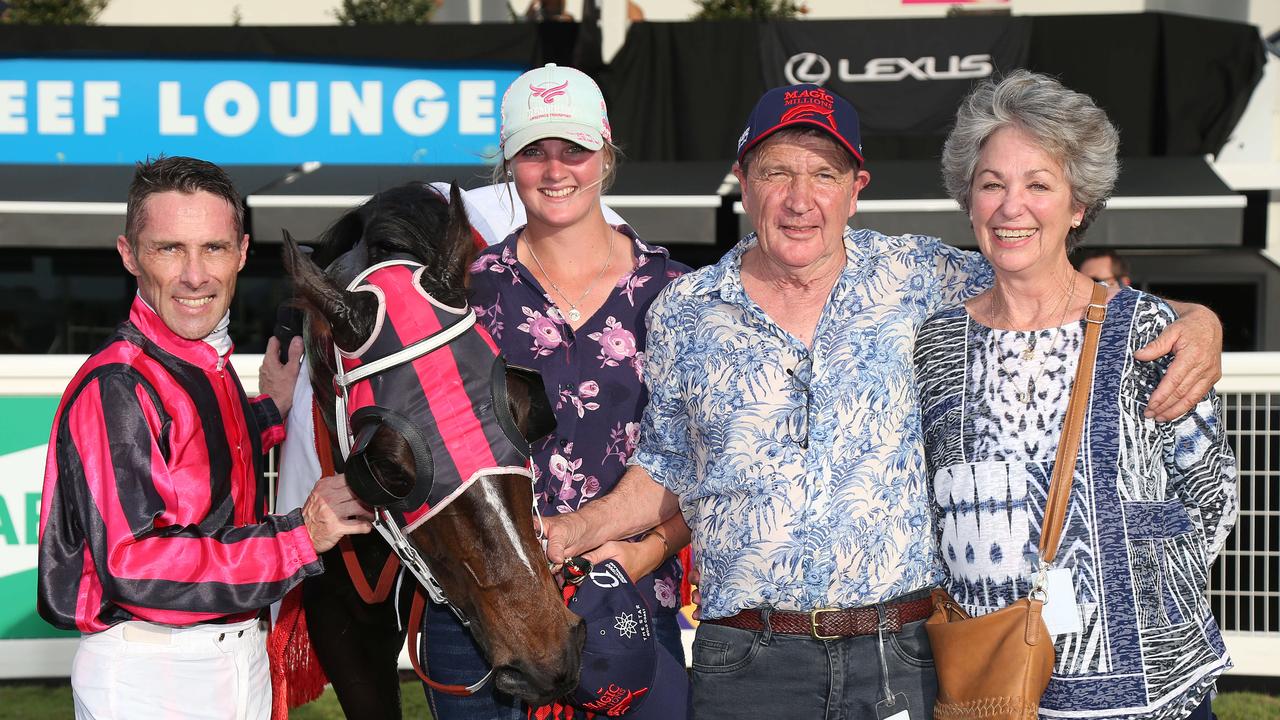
625,671
802,105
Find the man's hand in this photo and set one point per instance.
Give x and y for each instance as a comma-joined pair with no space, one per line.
276,380
564,537
1195,340
695,580
332,511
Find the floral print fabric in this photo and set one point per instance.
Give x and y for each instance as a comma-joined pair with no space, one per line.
801,469
593,377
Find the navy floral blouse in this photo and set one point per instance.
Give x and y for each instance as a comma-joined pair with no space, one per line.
594,377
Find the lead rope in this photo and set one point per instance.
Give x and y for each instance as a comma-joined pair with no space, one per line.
386,578
388,574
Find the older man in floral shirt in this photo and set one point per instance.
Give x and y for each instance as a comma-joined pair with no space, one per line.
783,423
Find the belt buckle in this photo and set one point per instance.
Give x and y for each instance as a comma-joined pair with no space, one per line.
813,623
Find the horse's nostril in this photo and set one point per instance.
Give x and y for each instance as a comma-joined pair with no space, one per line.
534,689
539,685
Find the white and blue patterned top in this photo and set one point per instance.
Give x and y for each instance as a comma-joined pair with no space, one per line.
1151,503
800,470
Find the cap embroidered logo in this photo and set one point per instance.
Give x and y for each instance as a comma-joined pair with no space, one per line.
548,94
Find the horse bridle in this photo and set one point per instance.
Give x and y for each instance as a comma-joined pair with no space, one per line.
368,418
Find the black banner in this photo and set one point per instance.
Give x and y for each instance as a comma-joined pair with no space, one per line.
903,76
1175,85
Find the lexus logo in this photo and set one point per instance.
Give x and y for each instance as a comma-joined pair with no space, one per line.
807,67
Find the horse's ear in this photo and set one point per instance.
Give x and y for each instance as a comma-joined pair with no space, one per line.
461,240
350,314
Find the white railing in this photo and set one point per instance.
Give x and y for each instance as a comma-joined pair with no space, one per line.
1244,585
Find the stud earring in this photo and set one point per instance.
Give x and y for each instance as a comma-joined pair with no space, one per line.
510,174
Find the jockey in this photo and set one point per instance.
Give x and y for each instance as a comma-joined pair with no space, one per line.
154,538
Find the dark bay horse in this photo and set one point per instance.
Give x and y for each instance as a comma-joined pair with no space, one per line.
481,547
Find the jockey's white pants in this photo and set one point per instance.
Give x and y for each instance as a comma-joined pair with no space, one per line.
141,671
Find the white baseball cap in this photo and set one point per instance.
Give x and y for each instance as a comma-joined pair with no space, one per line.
553,102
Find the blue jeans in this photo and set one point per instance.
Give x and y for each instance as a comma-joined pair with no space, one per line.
737,673
452,656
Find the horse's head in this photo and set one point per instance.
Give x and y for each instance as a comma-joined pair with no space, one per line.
434,426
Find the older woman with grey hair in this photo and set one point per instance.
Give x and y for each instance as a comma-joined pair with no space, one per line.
1151,503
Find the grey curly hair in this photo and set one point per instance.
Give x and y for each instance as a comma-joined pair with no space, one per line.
1066,124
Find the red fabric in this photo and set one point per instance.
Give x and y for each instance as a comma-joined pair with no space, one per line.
296,675
153,504
558,711
686,588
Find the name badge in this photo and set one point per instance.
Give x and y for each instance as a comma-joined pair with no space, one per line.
895,709
1061,614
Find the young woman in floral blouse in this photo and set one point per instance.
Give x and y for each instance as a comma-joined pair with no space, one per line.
567,295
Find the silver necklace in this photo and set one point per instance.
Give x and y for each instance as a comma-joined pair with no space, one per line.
574,314
1025,394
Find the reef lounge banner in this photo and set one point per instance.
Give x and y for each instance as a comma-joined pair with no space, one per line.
904,76
71,110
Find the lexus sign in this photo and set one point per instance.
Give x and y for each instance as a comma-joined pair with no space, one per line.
905,77
809,67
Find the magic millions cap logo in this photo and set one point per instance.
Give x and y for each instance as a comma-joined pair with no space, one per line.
814,105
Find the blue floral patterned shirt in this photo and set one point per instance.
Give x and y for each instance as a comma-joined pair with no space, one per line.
800,469
593,377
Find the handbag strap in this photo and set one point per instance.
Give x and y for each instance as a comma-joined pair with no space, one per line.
1064,465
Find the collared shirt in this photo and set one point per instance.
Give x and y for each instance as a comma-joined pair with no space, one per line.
592,376
154,503
799,469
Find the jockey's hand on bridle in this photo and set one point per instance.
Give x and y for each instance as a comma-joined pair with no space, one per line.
333,511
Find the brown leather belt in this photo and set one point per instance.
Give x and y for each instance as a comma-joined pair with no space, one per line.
832,623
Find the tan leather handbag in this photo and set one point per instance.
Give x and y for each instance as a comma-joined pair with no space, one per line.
996,666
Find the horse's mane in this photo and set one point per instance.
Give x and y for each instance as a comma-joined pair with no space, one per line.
407,220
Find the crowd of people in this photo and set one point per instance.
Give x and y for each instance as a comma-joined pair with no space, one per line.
837,420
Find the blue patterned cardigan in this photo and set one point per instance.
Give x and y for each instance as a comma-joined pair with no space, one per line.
1151,506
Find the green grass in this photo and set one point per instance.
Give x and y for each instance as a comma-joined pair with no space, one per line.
1246,706
413,705
53,702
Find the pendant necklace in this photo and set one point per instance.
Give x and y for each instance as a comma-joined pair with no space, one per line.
1025,394
574,314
